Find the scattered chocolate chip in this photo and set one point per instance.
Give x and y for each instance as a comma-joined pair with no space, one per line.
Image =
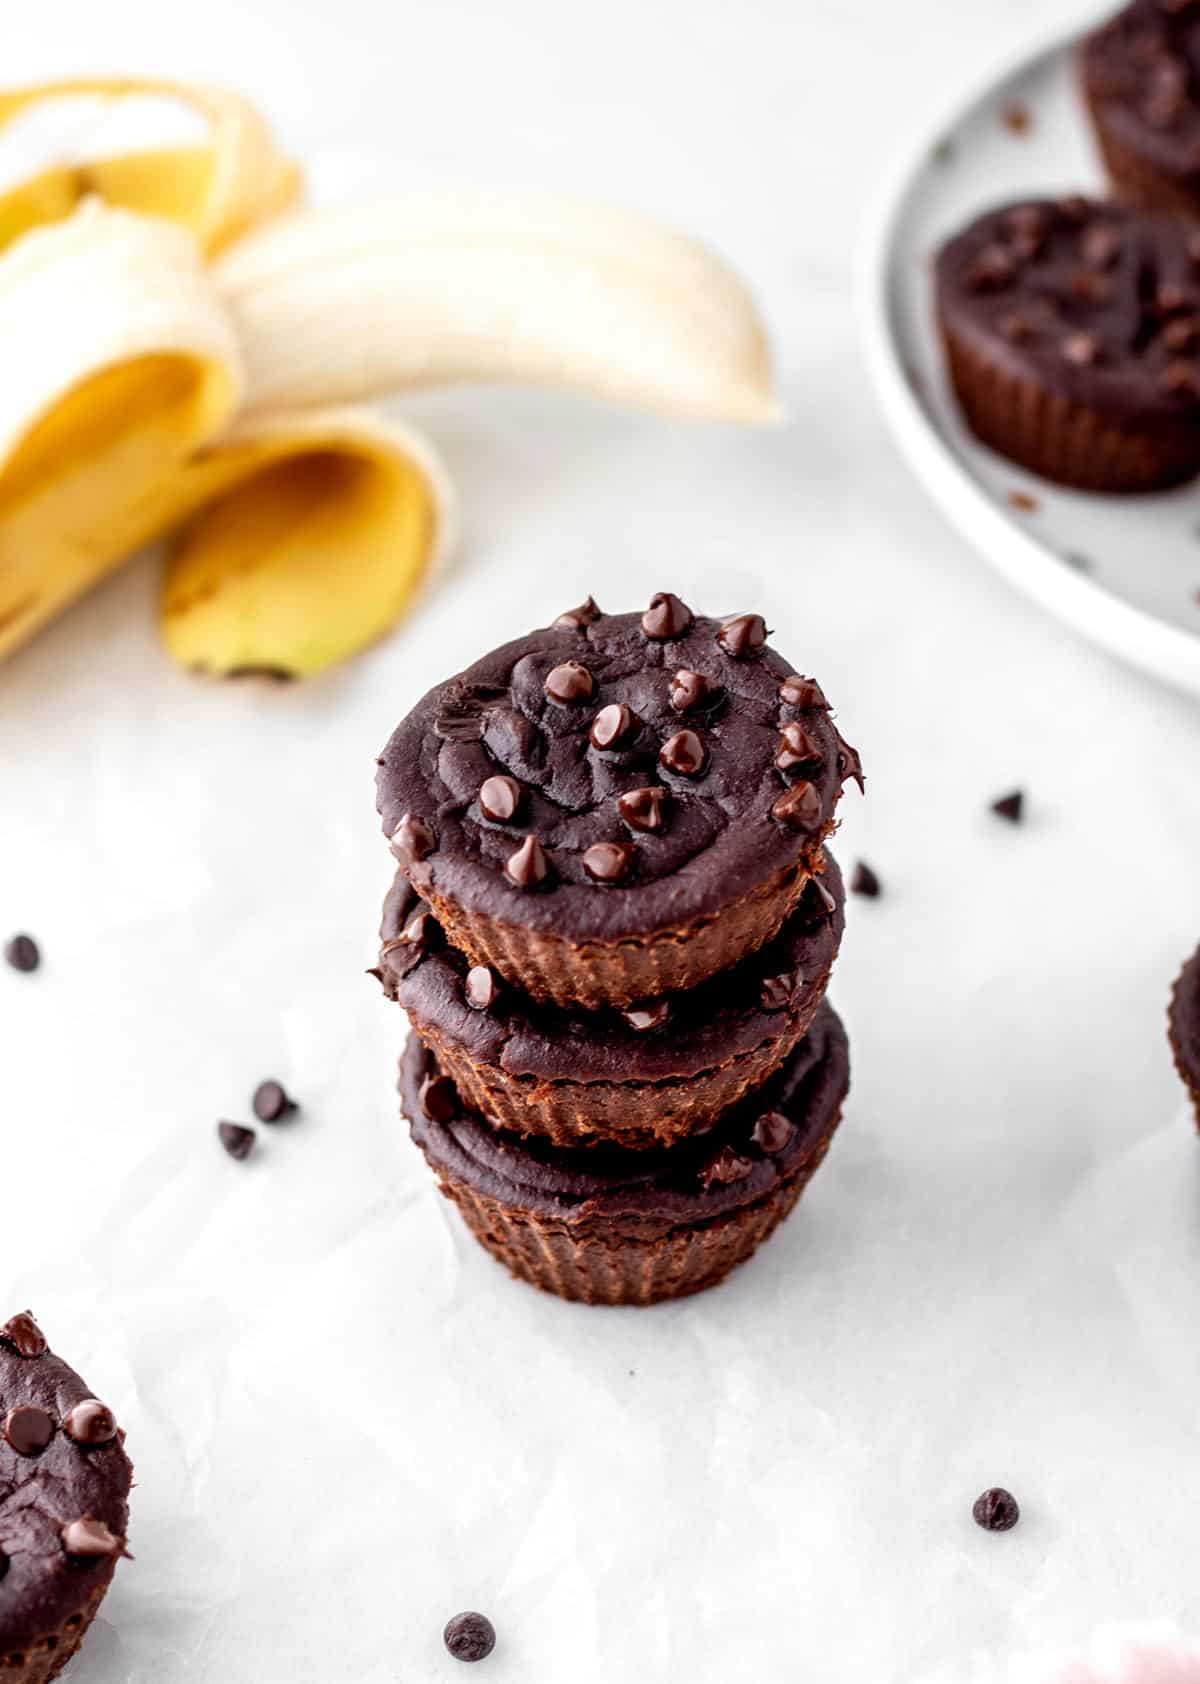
439,1098
570,682
744,635
1017,119
528,866
612,725
575,619
666,616
24,1334
236,1138
412,840
865,882
90,1422
799,807
800,692
796,748
652,1016
996,1510
777,993
481,988
683,753
89,1537
271,1102
470,1637
608,862
500,798
22,953
850,764
1083,349
690,690
726,1167
1180,380
1010,807
642,809
1024,501
28,1429
1099,245
993,269
773,1132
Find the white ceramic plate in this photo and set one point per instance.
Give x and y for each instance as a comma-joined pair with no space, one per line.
1124,571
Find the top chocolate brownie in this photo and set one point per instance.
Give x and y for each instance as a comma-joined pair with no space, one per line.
1142,68
614,774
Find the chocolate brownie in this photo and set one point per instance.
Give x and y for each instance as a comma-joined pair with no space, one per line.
1141,82
642,1077
1072,333
617,806
1185,1028
607,1225
64,1489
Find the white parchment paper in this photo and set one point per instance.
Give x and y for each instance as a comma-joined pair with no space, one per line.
348,1423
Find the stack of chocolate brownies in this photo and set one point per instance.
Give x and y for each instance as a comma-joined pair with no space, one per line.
612,930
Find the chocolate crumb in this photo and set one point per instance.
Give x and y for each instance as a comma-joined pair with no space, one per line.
1024,501
1017,118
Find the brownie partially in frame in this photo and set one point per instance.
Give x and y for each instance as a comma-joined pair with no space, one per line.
64,1491
1140,74
1072,334
618,806
1184,1028
642,1077
605,1225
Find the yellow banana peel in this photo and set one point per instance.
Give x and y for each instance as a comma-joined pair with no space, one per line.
150,393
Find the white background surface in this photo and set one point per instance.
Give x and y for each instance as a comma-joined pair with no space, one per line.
347,1422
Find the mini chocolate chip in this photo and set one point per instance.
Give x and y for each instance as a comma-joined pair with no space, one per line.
235,1138
608,862
773,1132
690,690
1180,380
683,753
271,1102
1010,807
800,692
744,635
412,840
1083,349
570,682
612,725
850,764
648,1017
726,1167
89,1537
500,798
22,953
777,993
28,1429
90,1422
575,619
1181,333
799,807
1169,297
528,866
469,1636
642,809
865,882
1099,245
481,988
996,1510
666,616
439,1098
796,748
24,1334
994,268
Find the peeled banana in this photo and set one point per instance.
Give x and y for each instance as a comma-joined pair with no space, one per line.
426,288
